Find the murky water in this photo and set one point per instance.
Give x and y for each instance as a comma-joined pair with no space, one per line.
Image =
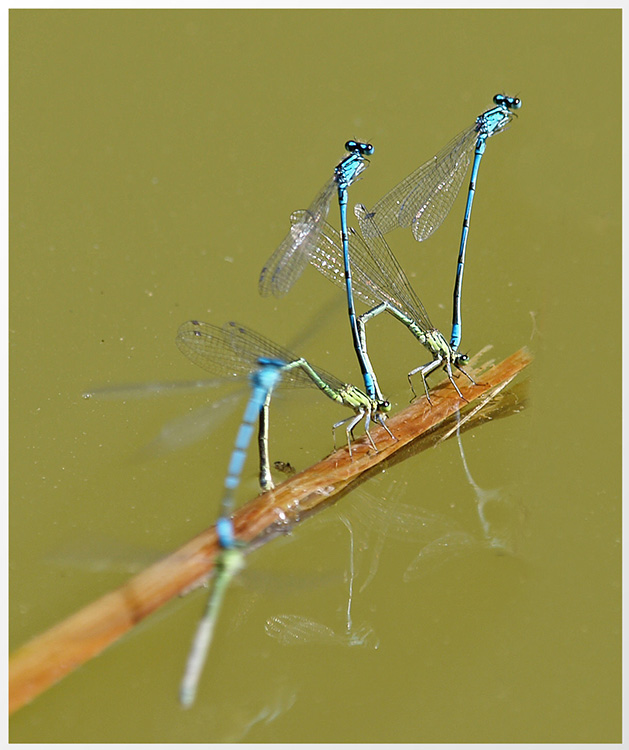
155,159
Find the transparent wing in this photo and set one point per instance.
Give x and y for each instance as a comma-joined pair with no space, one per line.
150,389
253,346
424,198
287,263
327,258
182,430
211,348
292,630
383,261
439,552
191,427
377,276
234,350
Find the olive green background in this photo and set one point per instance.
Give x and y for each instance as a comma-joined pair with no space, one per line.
155,159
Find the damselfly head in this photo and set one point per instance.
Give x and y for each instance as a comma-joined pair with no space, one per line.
357,147
383,407
510,102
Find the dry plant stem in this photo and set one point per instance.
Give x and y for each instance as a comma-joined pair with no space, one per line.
48,657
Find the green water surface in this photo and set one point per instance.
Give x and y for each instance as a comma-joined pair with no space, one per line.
155,159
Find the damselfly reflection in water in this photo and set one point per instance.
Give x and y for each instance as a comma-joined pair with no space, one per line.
494,499
292,629
372,518
240,706
483,497
236,715
380,515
